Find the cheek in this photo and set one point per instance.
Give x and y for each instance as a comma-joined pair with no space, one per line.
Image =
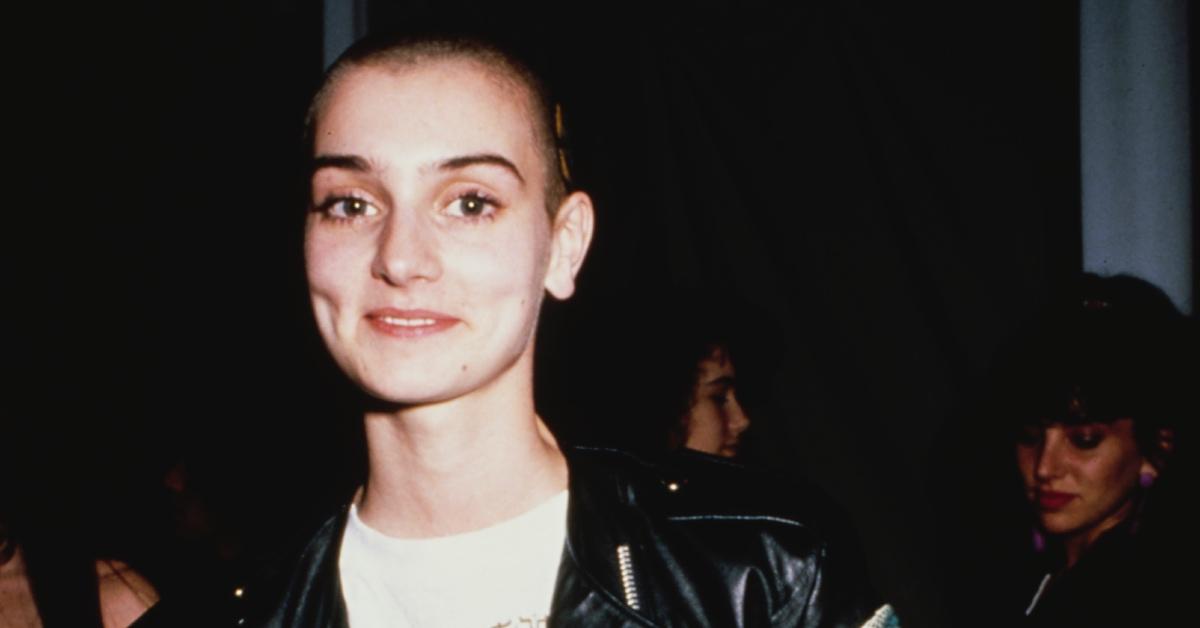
1114,475
1026,459
704,421
334,257
508,270
331,268
500,273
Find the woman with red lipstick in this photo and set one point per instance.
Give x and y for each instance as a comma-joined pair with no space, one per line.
1093,392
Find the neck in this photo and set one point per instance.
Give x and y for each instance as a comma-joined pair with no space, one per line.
1076,545
462,464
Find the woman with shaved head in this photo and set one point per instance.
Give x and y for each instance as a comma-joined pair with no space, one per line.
442,213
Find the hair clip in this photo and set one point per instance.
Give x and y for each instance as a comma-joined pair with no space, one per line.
560,131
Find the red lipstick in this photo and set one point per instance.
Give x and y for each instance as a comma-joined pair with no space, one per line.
1053,500
399,323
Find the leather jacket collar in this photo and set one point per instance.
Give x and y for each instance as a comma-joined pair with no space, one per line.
695,541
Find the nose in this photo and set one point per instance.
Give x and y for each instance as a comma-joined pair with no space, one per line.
406,251
738,420
1049,456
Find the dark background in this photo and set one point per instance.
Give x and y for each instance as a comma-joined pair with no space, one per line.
881,193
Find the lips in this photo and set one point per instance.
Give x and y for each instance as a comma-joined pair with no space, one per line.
1053,500
399,323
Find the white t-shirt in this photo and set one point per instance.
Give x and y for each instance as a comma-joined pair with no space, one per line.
502,576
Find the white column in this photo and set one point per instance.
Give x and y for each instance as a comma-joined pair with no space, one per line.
345,21
1135,142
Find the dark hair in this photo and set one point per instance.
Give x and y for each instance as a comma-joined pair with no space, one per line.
689,353
1108,348
412,48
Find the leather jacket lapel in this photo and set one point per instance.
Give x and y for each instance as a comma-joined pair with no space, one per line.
593,587
313,596
588,588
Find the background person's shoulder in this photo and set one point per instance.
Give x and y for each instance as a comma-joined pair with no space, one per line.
721,486
688,486
124,593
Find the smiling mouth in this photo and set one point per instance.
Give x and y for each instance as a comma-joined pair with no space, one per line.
409,323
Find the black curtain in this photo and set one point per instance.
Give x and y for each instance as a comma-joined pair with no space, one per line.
886,191
882,192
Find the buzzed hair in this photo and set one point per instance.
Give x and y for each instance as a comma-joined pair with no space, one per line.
398,51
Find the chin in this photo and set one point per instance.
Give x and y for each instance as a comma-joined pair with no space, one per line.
405,392
1058,525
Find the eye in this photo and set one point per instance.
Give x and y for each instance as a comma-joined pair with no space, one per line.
472,205
1085,437
347,208
722,396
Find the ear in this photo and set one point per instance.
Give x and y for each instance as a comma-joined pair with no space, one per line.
570,235
1164,446
1166,441
1147,471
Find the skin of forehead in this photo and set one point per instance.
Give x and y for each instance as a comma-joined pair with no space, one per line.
410,108
714,365
495,69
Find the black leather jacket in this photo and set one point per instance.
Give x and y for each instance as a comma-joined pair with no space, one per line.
694,541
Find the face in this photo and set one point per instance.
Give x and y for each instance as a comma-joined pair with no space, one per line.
716,421
1080,478
429,246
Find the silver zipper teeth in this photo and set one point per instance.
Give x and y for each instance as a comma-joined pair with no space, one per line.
627,583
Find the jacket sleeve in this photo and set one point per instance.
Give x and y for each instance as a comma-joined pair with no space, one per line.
839,595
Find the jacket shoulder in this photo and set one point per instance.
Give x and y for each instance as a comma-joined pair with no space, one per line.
288,583
769,547
686,485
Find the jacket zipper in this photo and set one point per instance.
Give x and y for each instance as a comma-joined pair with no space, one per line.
1037,597
625,564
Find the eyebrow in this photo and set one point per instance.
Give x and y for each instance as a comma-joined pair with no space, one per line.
490,159
725,380
341,162
359,164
